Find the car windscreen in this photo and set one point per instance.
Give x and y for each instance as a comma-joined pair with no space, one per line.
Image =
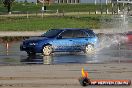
51,33
91,33
129,33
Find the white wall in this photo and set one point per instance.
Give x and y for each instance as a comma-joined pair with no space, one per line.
30,1
92,1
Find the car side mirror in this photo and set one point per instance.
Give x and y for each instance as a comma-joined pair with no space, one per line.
59,37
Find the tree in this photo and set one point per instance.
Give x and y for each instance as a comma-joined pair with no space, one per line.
45,1
8,3
48,1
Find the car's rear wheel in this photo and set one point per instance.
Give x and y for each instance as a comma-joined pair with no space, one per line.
47,50
89,49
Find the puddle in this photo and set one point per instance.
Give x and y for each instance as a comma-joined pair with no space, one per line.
112,54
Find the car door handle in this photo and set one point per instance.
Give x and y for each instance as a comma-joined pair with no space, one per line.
70,40
86,39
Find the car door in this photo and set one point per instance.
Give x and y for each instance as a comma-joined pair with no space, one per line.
64,41
80,39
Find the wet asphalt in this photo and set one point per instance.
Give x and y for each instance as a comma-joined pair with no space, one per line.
109,53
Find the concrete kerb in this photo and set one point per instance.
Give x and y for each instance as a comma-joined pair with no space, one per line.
38,33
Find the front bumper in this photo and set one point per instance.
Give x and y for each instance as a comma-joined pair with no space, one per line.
25,48
35,49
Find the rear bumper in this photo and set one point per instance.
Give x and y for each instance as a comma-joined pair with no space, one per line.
129,37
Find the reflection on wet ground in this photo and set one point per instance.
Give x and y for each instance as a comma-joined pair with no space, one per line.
114,54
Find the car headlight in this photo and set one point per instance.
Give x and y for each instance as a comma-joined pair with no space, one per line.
33,44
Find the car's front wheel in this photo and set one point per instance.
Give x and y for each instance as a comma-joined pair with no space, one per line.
47,50
89,49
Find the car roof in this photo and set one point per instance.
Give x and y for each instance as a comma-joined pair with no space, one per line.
86,29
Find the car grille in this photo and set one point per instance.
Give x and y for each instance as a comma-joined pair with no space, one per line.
25,43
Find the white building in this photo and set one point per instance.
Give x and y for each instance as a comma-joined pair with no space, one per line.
82,1
69,1
29,1
79,1
122,1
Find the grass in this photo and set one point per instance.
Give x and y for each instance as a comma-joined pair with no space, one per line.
61,7
37,23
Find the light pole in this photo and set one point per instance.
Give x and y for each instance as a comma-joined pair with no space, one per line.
43,5
106,6
95,6
43,9
101,6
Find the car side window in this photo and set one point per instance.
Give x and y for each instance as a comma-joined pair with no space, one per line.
67,34
79,34
91,34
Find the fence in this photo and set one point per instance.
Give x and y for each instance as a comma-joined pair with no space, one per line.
54,13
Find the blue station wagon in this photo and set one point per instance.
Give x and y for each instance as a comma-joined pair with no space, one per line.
61,40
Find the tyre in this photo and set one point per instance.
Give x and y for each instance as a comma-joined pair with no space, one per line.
89,49
47,50
85,81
